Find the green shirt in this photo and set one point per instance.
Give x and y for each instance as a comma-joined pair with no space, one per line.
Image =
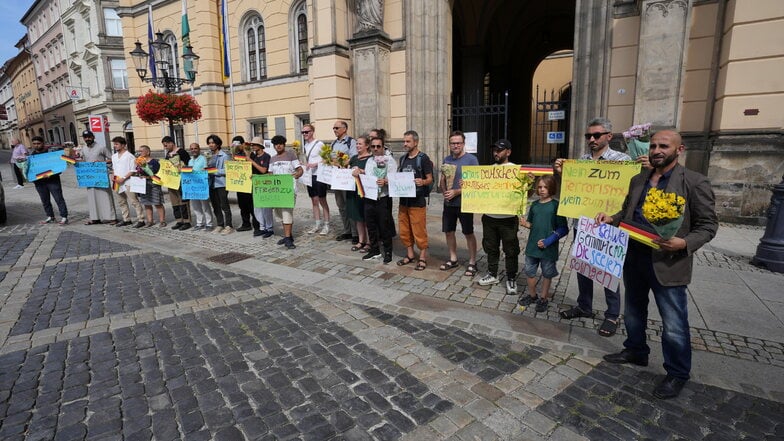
544,221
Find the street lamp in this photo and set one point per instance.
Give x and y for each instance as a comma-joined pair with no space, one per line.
161,51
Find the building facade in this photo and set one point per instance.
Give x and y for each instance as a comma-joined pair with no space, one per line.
709,68
8,118
28,103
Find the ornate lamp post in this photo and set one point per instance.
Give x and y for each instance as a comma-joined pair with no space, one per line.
770,251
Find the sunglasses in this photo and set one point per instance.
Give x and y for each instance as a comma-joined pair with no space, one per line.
377,146
305,132
337,128
596,135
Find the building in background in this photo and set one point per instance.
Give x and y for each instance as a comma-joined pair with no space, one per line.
28,103
8,119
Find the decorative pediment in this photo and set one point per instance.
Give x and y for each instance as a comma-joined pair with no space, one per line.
91,53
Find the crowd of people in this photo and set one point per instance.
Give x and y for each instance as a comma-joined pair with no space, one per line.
370,225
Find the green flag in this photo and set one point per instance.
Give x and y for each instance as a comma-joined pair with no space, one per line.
186,39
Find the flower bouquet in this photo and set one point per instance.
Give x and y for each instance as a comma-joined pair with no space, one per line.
449,171
638,139
341,160
524,182
297,147
142,164
326,154
664,211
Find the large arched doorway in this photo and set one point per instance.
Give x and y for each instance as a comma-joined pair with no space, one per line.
497,45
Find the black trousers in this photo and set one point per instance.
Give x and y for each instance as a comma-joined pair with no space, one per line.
501,232
380,224
219,199
18,174
245,201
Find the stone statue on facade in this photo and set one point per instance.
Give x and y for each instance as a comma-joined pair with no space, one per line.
370,14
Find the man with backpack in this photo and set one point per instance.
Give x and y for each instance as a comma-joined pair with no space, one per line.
412,214
348,145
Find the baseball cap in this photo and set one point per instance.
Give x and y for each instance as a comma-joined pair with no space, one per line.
88,133
502,144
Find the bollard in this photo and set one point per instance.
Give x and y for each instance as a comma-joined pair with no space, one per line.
770,251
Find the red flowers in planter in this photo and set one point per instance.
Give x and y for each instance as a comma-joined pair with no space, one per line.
154,107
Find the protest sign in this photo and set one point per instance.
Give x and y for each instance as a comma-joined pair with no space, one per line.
370,184
41,163
324,173
491,189
92,174
342,179
170,175
590,187
238,176
401,184
599,251
273,191
137,185
195,186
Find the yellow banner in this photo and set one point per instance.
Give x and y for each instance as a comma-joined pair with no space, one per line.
591,187
238,176
170,175
492,189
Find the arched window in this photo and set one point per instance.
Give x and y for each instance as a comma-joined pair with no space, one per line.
255,49
173,59
299,40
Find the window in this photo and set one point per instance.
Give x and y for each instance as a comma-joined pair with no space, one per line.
259,128
255,48
174,61
113,23
300,38
119,74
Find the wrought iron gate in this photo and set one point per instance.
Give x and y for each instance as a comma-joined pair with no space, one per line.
483,113
551,116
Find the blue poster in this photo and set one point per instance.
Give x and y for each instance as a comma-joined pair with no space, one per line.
92,174
194,186
43,162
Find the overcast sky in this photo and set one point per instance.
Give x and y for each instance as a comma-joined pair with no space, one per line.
11,11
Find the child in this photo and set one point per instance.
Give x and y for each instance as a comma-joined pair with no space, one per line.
542,247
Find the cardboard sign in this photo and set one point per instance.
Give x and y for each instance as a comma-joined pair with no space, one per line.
324,173
195,186
45,162
137,185
491,189
401,184
370,184
599,251
273,191
238,175
170,175
92,175
592,187
342,179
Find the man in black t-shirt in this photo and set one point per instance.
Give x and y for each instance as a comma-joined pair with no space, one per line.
412,214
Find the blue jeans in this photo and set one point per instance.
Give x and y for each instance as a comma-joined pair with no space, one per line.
51,186
639,278
585,298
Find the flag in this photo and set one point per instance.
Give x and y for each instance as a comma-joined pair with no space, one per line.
640,235
45,174
156,180
360,188
240,158
536,171
211,170
116,185
150,39
224,12
68,159
186,170
186,39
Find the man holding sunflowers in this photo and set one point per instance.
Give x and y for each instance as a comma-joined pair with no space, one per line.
665,268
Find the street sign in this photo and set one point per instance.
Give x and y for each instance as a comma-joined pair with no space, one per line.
96,123
556,115
74,94
556,137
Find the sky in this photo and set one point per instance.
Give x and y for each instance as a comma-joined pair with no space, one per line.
11,11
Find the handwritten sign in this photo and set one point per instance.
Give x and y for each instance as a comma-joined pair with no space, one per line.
43,162
401,184
238,176
370,184
491,189
137,185
170,175
591,187
195,186
599,251
324,173
273,191
92,174
343,180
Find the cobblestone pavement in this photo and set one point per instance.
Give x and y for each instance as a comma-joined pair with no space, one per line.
133,334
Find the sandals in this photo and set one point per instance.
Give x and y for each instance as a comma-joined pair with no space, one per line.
358,246
405,261
448,265
608,328
421,265
574,312
471,270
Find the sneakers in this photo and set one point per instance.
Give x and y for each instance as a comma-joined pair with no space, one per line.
138,224
289,243
198,228
257,233
185,226
526,300
488,279
17,187
217,230
372,254
541,305
387,256
177,226
315,228
324,230
267,233
227,230
244,227
63,221
48,220
511,287
282,241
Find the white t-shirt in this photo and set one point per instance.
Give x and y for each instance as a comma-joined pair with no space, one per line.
313,152
124,163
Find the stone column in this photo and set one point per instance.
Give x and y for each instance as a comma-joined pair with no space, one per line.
370,77
660,63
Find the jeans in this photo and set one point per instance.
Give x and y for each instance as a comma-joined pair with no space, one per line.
51,187
585,298
498,231
219,198
639,278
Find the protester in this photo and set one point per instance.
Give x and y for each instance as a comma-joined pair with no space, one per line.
316,190
262,217
219,197
378,213
18,156
412,212
153,196
547,228
348,145
124,166
285,162
202,211
666,271
244,200
355,206
100,202
450,184
48,188
178,157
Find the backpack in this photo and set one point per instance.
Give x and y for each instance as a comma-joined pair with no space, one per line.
418,165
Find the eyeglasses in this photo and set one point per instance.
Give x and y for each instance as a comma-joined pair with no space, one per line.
595,135
305,132
456,143
337,128
377,146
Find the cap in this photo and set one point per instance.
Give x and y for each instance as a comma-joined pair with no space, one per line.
88,133
257,140
502,144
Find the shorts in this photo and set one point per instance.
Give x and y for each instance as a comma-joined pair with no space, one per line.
317,188
548,267
285,214
450,217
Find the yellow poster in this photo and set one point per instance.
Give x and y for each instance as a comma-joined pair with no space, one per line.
238,176
591,187
170,175
492,189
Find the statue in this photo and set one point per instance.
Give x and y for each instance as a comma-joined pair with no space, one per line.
370,14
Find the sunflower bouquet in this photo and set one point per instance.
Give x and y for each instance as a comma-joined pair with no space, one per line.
341,160
449,171
326,154
142,164
524,183
664,211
